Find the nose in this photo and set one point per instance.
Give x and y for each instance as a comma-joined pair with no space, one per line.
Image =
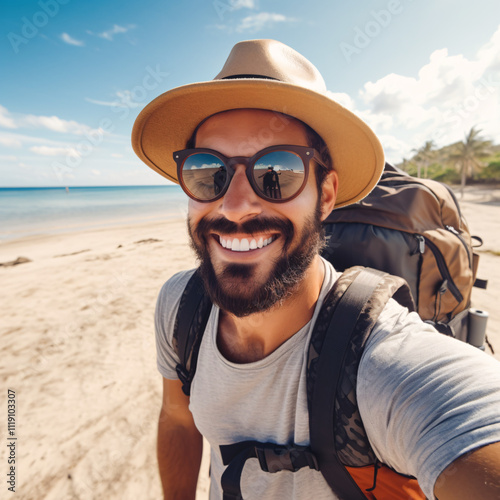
240,202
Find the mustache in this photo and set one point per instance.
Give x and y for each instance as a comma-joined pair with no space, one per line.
256,225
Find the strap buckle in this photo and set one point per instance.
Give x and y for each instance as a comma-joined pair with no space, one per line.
275,458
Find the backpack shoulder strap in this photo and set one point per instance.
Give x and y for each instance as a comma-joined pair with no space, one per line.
189,327
346,319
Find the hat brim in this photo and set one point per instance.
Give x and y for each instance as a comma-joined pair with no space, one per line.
166,124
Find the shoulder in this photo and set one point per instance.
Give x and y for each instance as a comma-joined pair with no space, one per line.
425,398
401,341
175,285
402,349
404,333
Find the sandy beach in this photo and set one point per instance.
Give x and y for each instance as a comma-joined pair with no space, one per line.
78,350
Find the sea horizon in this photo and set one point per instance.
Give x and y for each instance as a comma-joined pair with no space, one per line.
27,211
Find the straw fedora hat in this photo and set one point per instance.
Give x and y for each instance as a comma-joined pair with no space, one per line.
262,74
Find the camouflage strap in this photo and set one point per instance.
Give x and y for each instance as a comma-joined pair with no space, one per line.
346,319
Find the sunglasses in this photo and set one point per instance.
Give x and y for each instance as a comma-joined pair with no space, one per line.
277,174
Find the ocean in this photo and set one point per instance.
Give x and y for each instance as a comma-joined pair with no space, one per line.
31,211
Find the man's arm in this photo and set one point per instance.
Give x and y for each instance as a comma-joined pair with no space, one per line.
473,475
179,446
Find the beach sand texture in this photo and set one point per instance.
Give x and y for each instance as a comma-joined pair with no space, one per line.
77,347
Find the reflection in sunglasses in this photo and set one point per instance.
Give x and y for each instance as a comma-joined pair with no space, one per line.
277,173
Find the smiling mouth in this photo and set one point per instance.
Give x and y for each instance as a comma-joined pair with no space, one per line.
245,244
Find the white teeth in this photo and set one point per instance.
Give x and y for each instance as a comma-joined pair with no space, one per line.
243,245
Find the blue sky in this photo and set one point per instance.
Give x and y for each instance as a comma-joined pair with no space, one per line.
75,73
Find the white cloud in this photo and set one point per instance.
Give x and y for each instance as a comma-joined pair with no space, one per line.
342,98
449,95
393,147
242,4
115,30
117,155
96,172
10,142
50,151
71,41
111,104
489,53
14,138
379,122
256,22
55,124
124,100
207,165
222,7
5,119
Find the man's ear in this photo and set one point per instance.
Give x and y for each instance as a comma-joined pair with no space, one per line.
329,193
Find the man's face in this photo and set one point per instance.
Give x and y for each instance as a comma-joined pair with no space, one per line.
271,244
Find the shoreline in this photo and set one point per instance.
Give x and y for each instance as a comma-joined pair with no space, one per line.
109,232
37,212
86,225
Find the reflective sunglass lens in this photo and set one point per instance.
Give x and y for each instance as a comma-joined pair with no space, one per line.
204,175
279,174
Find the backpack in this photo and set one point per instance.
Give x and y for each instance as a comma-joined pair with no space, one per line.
412,228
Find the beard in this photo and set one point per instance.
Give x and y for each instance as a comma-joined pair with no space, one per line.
235,288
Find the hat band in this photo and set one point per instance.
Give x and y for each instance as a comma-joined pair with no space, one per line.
234,77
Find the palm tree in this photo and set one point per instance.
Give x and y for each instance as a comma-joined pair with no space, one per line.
424,156
469,154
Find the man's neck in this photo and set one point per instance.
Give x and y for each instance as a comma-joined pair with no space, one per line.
248,339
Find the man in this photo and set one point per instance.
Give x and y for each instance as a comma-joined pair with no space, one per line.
271,183
219,180
430,404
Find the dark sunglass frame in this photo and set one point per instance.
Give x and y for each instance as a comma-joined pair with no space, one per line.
306,153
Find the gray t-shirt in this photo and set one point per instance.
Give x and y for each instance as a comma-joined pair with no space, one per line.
425,399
